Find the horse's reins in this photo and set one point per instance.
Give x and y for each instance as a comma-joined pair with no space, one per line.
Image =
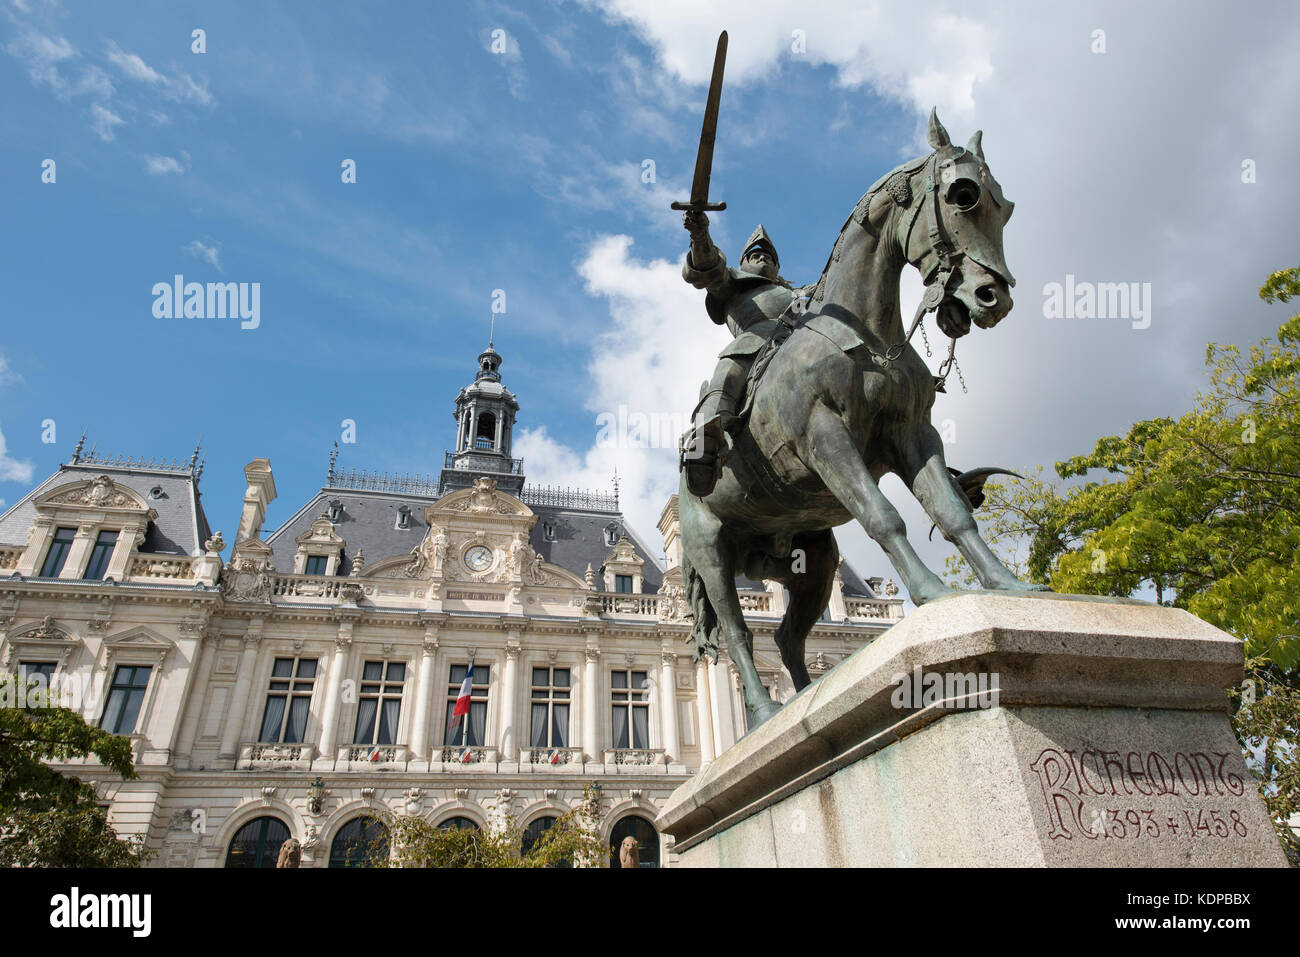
936,287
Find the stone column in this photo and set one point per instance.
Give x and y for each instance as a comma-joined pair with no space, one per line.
128,540
668,703
590,702
79,552
423,697
704,712
724,726
29,563
508,711
239,700
198,683
329,724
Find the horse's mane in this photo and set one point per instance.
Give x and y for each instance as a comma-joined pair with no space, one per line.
897,182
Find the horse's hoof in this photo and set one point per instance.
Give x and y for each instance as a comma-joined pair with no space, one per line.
765,711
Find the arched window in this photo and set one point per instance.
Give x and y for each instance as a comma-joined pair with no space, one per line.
458,824
486,435
257,843
361,842
646,836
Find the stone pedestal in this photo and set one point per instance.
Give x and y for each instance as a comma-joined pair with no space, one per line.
993,730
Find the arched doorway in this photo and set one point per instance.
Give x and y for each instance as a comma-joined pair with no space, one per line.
646,836
257,843
362,842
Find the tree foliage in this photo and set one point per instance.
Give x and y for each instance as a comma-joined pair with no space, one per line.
49,819
572,841
1203,512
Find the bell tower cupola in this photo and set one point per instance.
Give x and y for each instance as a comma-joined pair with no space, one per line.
485,420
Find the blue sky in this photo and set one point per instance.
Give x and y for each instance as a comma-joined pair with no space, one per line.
522,170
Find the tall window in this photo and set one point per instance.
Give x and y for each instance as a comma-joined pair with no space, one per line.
630,693
550,708
100,555
472,727
380,703
125,695
315,565
35,677
257,843
288,700
58,553
623,584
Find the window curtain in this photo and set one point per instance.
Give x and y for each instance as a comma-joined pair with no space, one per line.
296,731
365,721
388,720
272,719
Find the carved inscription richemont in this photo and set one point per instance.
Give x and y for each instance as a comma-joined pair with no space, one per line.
1136,794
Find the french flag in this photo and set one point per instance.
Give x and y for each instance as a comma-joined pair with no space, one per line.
555,757
462,699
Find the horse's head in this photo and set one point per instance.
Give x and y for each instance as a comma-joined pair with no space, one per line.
950,229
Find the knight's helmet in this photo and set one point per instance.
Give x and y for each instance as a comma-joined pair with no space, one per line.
759,239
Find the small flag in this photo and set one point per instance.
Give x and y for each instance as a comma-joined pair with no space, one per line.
462,699
555,757
465,756
374,754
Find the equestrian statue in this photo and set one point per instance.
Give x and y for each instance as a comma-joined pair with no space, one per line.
820,393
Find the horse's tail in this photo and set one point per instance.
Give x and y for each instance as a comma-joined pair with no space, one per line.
705,632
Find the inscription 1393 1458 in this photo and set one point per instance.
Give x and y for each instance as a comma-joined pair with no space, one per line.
1074,781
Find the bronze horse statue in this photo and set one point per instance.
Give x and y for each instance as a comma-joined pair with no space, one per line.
845,400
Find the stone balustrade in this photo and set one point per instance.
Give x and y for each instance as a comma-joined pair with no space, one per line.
160,567
531,759
635,760
472,757
368,757
883,609
296,757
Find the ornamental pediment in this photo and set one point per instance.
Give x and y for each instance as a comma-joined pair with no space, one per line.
321,533
101,493
483,499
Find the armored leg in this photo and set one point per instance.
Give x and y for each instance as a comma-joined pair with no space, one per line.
703,446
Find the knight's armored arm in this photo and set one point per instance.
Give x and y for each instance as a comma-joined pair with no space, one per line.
705,266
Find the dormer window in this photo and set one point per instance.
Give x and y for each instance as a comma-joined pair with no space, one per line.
548,531
335,511
100,555
612,533
156,492
403,516
315,565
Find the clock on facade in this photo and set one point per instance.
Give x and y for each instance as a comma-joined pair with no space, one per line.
478,558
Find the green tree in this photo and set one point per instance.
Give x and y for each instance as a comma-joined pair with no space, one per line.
572,841
1203,511
48,819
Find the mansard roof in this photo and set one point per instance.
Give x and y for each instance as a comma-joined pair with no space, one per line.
369,522
181,527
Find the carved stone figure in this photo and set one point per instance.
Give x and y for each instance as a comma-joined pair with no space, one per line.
290,854
844,400
629,853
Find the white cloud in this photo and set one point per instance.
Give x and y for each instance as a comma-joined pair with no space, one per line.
179,86
103,121
162,165
132,65
7,375
209,254
658,346
13,470
42,55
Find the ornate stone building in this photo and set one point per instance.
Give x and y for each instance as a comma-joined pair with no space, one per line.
305,686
